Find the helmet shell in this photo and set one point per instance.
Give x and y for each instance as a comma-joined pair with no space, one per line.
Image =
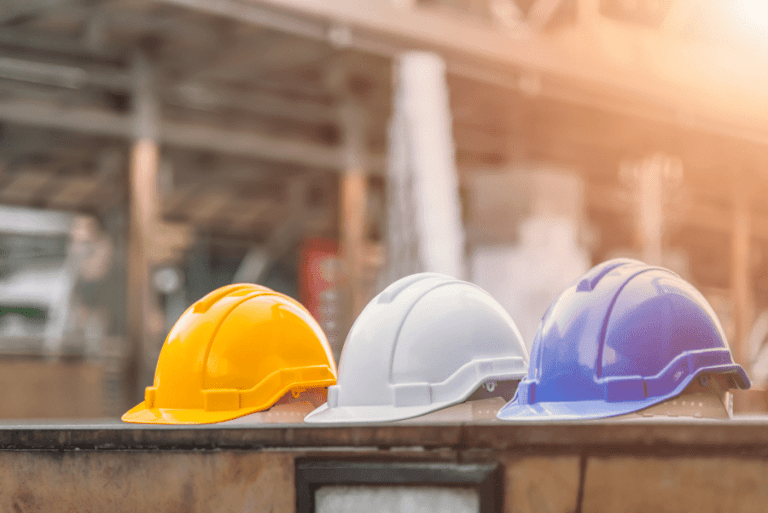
623,337
234,352
426,342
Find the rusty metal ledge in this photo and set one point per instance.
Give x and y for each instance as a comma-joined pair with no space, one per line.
746,436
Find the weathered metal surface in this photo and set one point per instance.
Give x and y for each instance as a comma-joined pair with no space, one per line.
748,437
146,481
541,484
555,468
629,485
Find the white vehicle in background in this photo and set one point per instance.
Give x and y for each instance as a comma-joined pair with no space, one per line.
43,255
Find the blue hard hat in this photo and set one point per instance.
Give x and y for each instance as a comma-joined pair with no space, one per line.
623,337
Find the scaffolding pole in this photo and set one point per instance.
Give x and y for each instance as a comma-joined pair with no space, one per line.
143,206
741,275
354,194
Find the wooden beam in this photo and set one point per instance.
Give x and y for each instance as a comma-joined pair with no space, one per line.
74,191
143,211
494,57
197,94
249,144
618,200
181,135
205,97
49,74
480,51
170,242
281,52
23,187
23,38
741,273
354,196
208,205
26,8
54,116
354,193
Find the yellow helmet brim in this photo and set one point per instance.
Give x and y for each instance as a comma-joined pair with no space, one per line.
140,414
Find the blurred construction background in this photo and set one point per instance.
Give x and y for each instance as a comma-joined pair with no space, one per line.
152,150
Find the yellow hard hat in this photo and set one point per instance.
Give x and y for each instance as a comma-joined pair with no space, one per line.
235,351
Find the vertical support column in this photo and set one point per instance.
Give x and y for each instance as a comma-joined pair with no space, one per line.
657,179
425,231
650,212
741,276
354,193
143,206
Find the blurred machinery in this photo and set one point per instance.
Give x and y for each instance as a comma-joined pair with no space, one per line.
54,333
39,274
44,258
530,238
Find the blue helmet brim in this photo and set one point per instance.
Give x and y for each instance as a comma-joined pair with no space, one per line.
600,409
574,410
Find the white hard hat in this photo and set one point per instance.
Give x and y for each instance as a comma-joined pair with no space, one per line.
426,342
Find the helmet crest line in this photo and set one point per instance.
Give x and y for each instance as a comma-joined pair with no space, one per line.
604,327
402,323
218,327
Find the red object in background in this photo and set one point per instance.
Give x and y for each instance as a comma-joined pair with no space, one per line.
318,271
318,264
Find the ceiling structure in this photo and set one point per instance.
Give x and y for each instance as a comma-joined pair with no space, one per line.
245,112
250,95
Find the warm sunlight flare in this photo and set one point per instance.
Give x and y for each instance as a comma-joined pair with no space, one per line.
753,11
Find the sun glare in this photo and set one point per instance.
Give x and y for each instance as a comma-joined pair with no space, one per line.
754,12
